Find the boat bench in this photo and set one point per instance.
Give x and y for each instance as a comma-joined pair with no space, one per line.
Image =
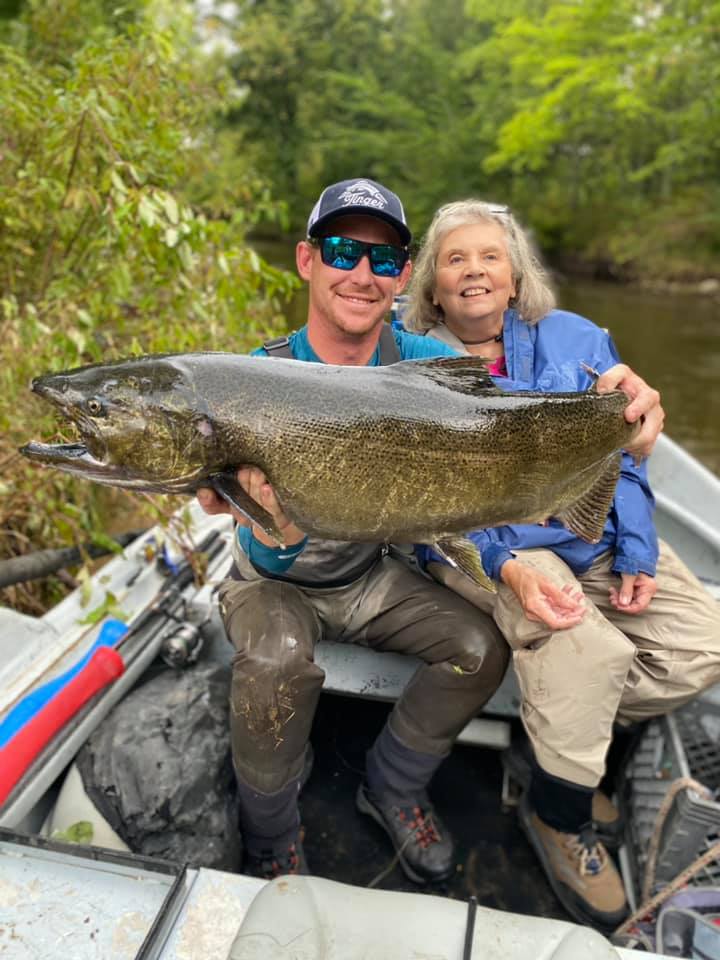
357,671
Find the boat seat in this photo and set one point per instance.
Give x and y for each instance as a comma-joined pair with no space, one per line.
356,671
310,918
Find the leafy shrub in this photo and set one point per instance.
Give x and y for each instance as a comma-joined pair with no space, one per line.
111,243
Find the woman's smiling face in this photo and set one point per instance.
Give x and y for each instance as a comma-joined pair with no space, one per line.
473,276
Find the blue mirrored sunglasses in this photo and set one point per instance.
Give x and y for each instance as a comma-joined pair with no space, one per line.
343,253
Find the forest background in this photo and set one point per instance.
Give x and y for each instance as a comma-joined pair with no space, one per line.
147,146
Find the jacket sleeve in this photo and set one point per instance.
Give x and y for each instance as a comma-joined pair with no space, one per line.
636,543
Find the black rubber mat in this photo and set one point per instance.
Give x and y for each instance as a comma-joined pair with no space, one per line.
494,861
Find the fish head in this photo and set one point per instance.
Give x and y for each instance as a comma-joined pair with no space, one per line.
139,424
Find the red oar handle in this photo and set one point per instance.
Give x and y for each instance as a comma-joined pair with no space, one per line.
19,752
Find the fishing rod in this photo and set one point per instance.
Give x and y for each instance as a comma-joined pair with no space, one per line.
64,707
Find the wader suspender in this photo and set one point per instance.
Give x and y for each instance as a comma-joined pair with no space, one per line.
389,353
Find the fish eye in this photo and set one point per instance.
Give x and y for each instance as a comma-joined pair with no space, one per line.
95,407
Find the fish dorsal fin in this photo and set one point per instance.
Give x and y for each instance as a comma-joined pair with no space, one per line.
460,374
586,517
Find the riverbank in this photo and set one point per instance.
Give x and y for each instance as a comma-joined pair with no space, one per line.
709,287
570,269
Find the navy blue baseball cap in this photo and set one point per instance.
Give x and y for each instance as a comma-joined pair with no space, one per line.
361,196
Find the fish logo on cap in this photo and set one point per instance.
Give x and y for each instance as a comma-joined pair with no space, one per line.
363,193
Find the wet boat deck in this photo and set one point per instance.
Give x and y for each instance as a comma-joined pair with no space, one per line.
494,860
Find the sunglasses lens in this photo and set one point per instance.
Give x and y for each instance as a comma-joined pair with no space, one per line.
386,260
342,253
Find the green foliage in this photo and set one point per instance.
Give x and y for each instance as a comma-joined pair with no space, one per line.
359,88
597,120
611,117
135,163
117,237
81,832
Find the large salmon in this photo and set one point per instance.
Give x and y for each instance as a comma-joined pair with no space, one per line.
420,451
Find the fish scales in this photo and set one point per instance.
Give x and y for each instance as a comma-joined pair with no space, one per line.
415,451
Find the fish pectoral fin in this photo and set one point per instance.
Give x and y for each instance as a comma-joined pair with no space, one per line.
464,555
226,485
586,517
459,374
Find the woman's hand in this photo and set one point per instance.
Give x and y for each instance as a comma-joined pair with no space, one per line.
541,599
645,402
635,593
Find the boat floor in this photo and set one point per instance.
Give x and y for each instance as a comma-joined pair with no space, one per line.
495,861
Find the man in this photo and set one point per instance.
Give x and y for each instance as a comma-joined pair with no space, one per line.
355,260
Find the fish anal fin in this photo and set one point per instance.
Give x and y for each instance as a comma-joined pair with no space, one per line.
464,555
227,486
586,517
460,374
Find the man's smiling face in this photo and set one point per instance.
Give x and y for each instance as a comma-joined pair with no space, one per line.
353,301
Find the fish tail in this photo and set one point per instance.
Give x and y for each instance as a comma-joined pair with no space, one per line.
586,517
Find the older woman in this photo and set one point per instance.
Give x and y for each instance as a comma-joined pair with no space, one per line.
620,630
471,321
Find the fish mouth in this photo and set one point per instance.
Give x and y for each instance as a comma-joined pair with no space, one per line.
77,459
88,454
73,457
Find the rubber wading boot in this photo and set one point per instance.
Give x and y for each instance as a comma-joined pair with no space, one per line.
580,872
423,845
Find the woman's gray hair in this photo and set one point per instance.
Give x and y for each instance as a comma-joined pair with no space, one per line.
534,296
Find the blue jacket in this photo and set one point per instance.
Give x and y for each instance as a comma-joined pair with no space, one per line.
547,357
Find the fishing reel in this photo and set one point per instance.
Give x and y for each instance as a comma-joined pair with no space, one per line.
187,629
182,647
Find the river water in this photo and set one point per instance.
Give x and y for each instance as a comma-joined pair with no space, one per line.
672,340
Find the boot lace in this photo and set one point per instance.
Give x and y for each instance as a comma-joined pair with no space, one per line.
274,865
589,852
421,824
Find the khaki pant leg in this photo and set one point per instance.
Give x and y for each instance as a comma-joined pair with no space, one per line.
677,640
571,680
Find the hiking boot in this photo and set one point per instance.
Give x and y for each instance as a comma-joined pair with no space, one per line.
580,872
606,819
422,843
289,861
517,767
